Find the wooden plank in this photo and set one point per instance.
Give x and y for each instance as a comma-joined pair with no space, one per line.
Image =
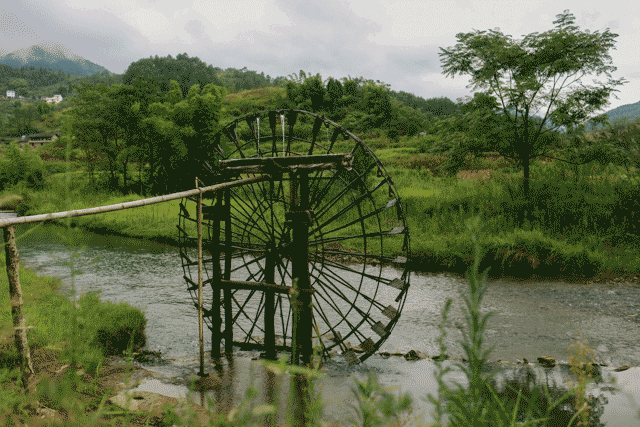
368,346
397,283
287,161
317,125
351,357
390,312
258,286
379,329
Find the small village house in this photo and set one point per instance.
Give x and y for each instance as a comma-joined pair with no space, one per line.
11,94
54,100
34,140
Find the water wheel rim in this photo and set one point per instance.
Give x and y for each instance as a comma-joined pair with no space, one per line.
377,315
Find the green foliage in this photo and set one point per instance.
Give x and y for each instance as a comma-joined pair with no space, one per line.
248,101
181,131
160,71
111,327
542,72
19,165
234,80
33,78
377,406
479,402
433,106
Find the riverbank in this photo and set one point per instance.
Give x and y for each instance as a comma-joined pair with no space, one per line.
514,256
554,244
69,339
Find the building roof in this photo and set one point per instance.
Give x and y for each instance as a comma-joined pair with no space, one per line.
43,134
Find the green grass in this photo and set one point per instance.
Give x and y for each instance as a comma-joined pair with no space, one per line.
10,201
573,221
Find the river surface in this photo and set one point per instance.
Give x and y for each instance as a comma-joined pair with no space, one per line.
531,319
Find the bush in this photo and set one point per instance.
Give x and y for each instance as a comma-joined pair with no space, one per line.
21,166
112,327
426,142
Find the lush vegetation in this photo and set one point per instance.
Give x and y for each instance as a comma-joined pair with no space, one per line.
558,202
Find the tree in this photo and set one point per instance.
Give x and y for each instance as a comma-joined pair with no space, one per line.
91,130
19,85
179,134
20,165
541,74
183,69
333,94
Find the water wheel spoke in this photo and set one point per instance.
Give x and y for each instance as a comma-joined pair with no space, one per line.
253,261
285,326
346,284
378,279
346,201
241,307
256,210
331,304
325,318
360,220
349,186
261,306
318,193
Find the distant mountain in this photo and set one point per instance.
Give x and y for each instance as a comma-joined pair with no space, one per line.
630,111
54,57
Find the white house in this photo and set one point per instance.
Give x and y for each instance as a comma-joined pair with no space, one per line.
11,94
54,100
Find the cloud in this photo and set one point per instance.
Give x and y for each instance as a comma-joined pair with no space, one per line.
395,41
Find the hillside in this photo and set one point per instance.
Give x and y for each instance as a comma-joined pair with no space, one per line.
54,57
630,111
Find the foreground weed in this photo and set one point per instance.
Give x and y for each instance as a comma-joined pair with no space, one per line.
377,406
477,404
583,366
441,371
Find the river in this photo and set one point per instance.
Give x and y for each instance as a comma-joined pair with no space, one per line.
531,319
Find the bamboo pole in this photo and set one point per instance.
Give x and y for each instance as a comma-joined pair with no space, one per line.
15,293
200,332
228,316
216,275
120,206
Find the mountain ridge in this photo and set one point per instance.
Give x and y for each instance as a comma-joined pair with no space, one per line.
53,56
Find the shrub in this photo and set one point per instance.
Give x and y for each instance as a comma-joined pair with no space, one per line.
21,166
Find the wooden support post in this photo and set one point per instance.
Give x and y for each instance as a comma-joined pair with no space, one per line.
200,331
216,275
15,293
228,317
300,267
269,305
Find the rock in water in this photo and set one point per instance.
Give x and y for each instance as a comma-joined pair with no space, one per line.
414,355
547,361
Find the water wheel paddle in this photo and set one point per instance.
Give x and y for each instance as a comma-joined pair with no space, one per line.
354,223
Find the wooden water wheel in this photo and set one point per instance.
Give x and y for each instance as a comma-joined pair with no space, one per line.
328,202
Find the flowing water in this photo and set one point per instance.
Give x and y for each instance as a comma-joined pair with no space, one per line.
531,320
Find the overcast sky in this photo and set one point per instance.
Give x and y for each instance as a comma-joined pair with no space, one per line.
396,42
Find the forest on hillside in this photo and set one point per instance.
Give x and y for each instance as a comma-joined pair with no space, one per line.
363,103
161,113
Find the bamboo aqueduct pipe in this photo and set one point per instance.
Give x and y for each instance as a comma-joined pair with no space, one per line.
12,257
